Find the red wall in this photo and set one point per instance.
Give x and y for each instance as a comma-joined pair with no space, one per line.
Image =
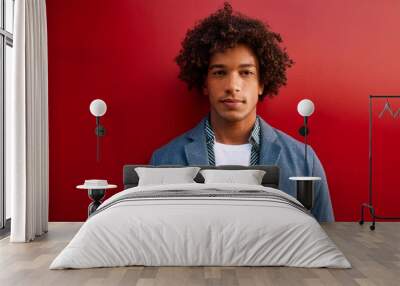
122,52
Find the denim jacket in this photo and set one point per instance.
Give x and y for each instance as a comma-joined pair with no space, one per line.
277,148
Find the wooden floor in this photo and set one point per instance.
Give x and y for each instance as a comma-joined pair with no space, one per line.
375,256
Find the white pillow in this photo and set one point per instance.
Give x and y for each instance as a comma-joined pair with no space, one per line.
162,176
248,177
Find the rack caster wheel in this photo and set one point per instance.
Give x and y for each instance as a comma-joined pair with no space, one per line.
372,227
361,222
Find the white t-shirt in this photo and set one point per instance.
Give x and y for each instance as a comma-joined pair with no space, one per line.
232,154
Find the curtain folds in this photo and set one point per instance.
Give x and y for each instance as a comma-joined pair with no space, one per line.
27,124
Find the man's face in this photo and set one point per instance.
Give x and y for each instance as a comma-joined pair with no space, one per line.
232,84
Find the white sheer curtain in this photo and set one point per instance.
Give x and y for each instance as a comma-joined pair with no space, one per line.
27,124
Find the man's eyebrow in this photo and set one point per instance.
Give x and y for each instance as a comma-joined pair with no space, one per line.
224,66
214,66
247,65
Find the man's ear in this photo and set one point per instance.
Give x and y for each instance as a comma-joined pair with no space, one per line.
261,89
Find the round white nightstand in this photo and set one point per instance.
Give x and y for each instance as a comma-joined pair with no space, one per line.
305,190
96,193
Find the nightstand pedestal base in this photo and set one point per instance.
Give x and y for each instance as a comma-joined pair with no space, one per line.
96,195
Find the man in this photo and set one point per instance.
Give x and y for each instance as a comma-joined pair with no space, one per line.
237,61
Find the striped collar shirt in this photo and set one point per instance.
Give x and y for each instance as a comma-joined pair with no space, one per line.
254,140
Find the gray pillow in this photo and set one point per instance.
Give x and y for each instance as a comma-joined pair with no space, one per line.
248,177
162,176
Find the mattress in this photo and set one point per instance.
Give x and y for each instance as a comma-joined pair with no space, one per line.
201,225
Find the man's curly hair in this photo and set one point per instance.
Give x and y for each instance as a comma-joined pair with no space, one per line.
223,30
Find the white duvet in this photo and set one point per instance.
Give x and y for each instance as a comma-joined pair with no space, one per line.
182,231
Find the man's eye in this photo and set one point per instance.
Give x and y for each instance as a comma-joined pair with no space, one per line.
247,72
218,72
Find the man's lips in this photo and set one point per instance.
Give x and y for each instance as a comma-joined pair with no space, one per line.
232,103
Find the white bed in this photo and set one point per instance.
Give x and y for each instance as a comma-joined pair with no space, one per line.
241,228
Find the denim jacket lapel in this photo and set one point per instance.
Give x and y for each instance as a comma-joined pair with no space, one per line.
270,150
196,150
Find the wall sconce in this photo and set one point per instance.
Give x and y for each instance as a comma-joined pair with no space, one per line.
305,108
98,108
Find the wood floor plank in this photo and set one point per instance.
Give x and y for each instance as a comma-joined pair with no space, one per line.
374,255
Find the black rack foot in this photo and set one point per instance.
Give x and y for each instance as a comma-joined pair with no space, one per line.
373,215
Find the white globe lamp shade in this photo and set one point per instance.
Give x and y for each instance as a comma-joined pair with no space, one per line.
98,107
305,107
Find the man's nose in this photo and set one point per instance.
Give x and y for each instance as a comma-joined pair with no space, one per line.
233,84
